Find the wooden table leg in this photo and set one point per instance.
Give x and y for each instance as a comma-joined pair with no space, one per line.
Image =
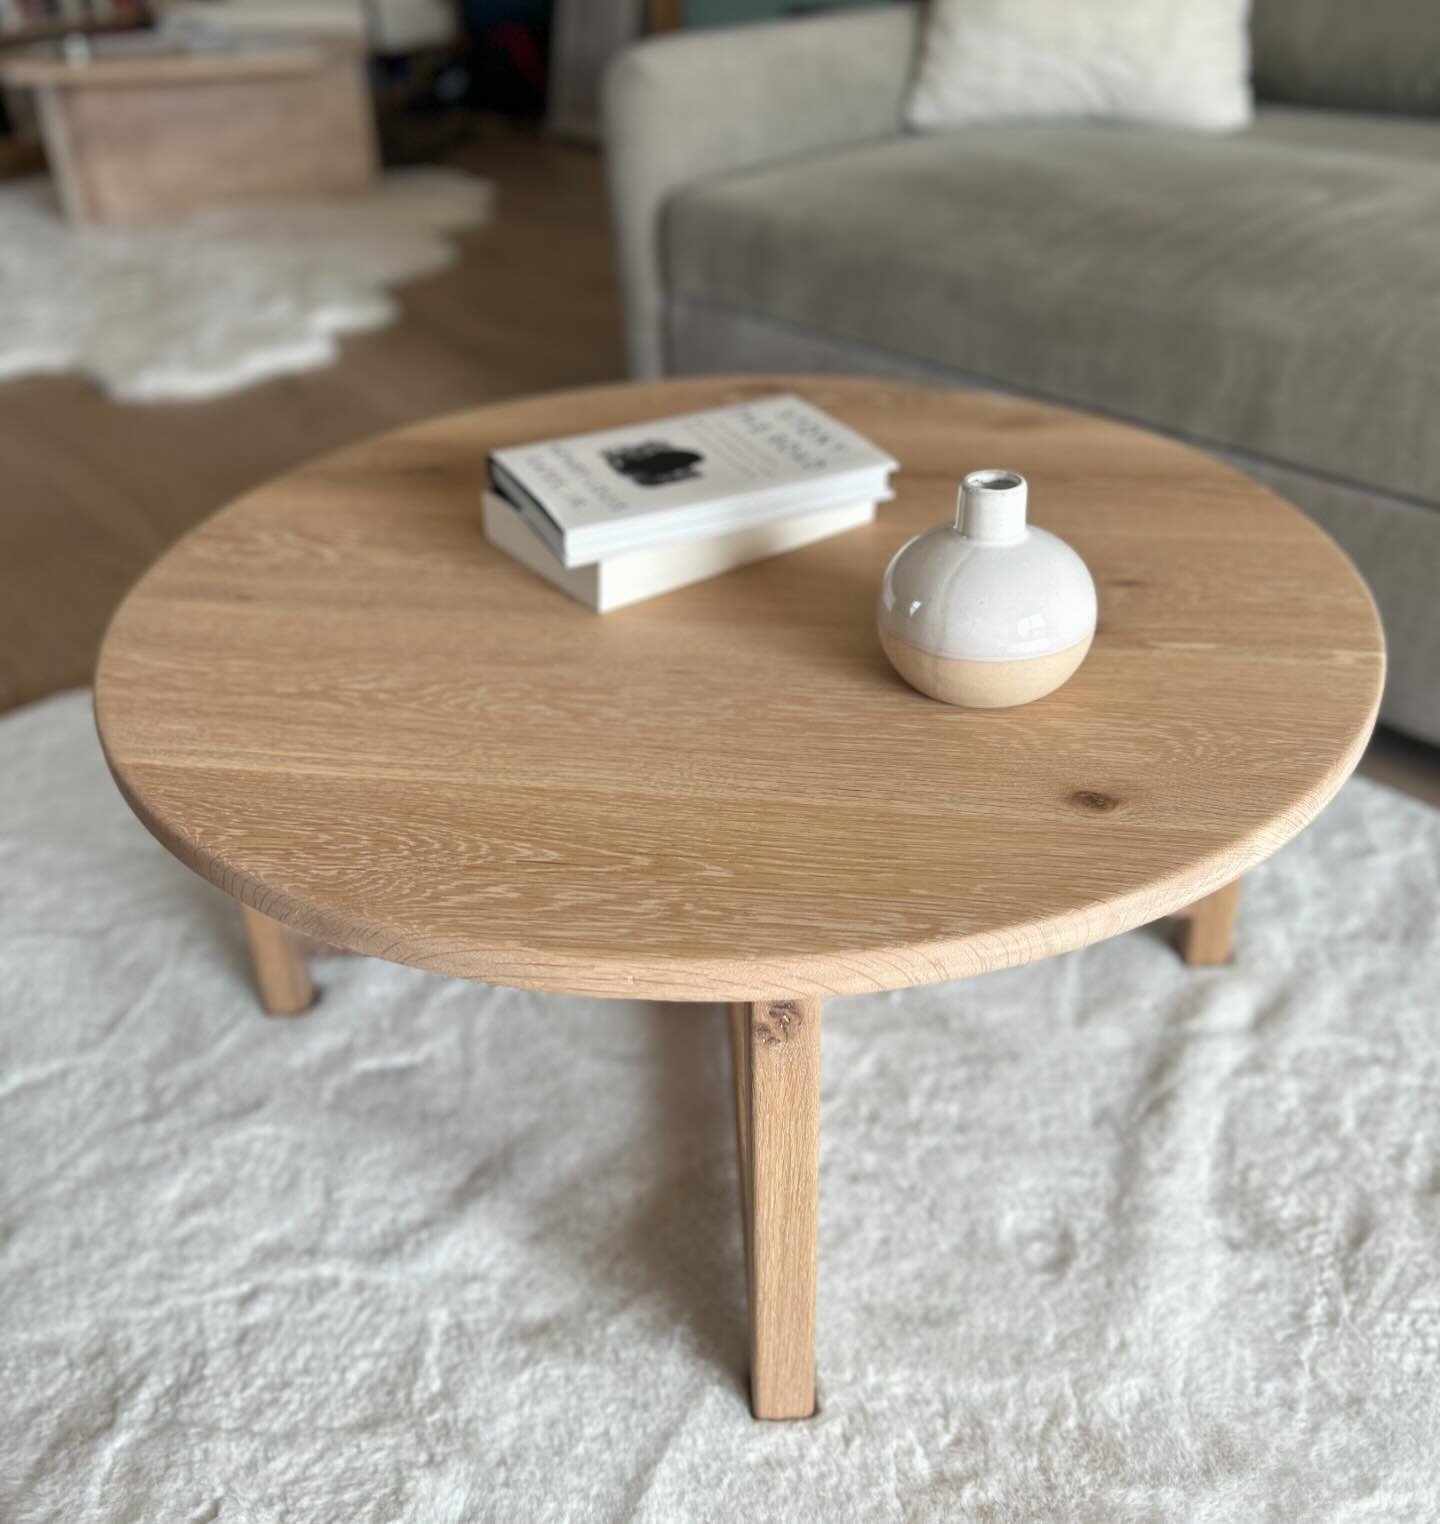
777,1094
280,967
1207,926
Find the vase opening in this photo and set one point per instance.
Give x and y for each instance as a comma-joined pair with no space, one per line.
995,481
992,507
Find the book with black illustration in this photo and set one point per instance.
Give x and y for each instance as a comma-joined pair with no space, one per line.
617,491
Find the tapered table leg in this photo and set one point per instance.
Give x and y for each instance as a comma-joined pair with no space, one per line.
1208,926
777,1049
280,967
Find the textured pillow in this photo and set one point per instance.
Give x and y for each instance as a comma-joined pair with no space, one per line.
1174,63
1368,55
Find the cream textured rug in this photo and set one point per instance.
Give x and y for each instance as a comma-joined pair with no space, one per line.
195,306
1102,1239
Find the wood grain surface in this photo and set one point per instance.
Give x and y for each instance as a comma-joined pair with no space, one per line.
340,704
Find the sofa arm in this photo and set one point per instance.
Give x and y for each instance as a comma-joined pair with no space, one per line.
680,107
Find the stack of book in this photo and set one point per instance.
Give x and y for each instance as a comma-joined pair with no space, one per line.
624,514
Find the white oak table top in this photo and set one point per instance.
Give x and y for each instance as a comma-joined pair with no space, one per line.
336,701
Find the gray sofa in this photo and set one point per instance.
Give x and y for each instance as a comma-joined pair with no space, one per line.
1272,296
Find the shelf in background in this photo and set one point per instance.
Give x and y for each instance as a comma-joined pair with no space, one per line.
53,29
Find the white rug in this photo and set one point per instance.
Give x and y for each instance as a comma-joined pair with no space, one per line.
1102,1239
195,306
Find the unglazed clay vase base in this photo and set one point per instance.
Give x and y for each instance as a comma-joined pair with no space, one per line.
989,611
982,684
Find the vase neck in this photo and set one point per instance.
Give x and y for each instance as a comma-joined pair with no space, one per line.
991,508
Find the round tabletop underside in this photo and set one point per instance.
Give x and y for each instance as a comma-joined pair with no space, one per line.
339,703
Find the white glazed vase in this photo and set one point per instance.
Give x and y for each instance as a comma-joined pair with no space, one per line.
990,611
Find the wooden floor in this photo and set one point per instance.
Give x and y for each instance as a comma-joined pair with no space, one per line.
91,492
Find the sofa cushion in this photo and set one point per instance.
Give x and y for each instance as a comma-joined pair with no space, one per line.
1185,63
1364,55
1272,292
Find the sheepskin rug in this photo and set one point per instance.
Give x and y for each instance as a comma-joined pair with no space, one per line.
1103,1239
194,306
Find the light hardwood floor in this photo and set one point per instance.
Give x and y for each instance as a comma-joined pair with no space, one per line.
92,492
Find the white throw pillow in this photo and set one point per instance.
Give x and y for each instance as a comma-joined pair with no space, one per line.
1173,63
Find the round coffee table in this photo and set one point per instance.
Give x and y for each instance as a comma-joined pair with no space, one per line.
337,702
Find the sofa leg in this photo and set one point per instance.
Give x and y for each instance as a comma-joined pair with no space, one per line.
281,972
1207,927
777,1108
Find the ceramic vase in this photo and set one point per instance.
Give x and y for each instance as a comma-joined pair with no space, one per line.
989,611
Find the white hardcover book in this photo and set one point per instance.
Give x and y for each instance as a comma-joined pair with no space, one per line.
594,496
611,584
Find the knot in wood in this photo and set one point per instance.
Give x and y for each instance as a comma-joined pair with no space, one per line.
1094,799
778,1022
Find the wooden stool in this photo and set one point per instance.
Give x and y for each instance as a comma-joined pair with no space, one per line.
141,134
